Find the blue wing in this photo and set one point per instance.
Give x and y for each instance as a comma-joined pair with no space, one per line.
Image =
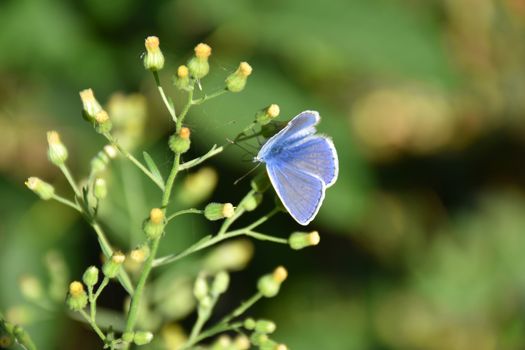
300,192
300,126
315,155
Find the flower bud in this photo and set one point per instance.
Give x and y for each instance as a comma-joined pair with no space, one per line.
182,79
269,345
100,189
261,182
269,284
200,288
128,336
205,304
220,283
198,65
56,152
180,143
77,299
300,240
90,277
154,225
236,81
217,211
111,267
90,105
100,162
197,186
233,255
258,339
41,188
142,338
31,287
251,202
265,326
224,342
241,342
102,122
154,59
267,114
140,254
249,324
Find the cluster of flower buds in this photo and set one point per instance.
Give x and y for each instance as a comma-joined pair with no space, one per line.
260,334
225,342
270,284
154,225
100,162
138,338
218,211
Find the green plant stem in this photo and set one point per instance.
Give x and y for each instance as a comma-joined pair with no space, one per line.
209,97
242,308
238,212
183,212
70,179
93,325
220,328
67,202
134,160
169,106
104,283
212,152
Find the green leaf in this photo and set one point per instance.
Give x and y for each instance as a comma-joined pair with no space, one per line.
153,167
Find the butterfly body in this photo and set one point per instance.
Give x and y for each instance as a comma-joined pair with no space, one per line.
300,165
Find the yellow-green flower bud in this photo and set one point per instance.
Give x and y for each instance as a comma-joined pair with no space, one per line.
90,105
224,342
300,240
205,304
220,283
100,162
249,324
251,202
100,189
102,122
217,211
41,188
111,267
261,182
77,299
140,254
198,65
258,339
267,114
241,342
56,152
90,276
236,81
200,288
142,338
265,326
154,59
270,284
197,186
233,255
182,79
128,336
281,347
180,143
154,225
31,287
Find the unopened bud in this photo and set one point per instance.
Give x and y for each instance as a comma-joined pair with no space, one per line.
249,324
236,81
41,188
180,142
154,225
267,114
112,267
154,59
90,277
102,122
198,65
90,105
218,211
56,152
270,284
261,182
200,288
140,254
251,202
233,255
220,283
241,342
142,338
300,240
100,189
265,326
182,80
77,299
224,342
128,336
31,287
258,339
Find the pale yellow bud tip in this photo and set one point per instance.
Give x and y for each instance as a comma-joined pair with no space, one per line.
273,111
76,288
202,51
184,133
314,238
156,216
182,71
118,258
280,274
87,95
228,210
281,347
137,255
245,69
102,117
152,43
32,182
53,138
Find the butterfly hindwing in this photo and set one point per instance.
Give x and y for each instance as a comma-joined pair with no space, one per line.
300,192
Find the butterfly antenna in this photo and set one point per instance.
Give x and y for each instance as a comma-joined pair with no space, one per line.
248,173
233,142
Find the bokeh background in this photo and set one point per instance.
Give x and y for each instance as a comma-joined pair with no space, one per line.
422,235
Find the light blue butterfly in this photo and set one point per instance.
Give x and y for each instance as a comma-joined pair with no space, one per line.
301,165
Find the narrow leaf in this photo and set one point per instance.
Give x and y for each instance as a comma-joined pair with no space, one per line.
153,167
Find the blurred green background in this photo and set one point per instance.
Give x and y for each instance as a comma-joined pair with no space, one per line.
422,235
